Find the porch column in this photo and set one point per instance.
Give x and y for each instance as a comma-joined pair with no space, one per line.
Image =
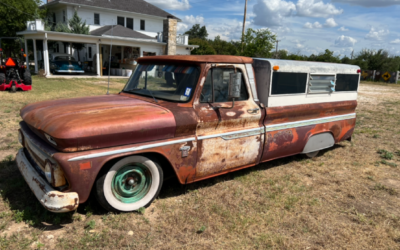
70,49
122,54
46,57
35,56
26,53
98,59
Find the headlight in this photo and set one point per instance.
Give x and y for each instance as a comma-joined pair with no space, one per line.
20,137
48,171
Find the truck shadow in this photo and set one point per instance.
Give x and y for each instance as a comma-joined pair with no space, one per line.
19,200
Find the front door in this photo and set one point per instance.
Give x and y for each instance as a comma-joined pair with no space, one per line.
228,138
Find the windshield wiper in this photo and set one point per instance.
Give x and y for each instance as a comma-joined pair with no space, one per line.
152,95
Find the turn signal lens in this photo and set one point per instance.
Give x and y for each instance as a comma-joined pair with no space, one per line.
47,171
276,68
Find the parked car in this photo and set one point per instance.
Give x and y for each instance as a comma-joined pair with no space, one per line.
193,116
65,63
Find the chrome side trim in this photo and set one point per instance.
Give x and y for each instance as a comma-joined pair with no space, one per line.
70,71
235,134
128,150
288,125
249,69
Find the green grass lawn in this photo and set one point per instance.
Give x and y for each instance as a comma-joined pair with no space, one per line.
345,198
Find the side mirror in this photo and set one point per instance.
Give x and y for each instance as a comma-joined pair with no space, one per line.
235,83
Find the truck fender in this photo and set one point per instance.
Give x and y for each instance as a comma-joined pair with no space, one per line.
319,142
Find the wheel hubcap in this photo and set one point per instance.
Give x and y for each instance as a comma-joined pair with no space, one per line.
131,183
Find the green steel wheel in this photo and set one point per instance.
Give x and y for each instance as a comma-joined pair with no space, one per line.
130,184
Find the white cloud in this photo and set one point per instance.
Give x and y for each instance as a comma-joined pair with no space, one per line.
188,22
272,12
315,25
345,41
315,8
370,3
376,35
171,4
330,22
343,29
397,41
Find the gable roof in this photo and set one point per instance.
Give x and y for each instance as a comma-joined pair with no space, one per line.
118,30
135,6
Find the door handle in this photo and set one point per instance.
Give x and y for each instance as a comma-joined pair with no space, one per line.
253,111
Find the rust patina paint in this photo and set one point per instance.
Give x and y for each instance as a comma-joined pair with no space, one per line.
99,122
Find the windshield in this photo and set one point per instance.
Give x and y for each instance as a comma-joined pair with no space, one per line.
167,82
64,58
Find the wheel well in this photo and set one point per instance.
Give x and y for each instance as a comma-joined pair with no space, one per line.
159,158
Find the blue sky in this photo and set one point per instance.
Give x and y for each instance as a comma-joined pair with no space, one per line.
303,26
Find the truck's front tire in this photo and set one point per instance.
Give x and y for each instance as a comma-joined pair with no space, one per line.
130,184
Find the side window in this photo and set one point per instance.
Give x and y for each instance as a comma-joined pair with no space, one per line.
346,82
142,25
320,84
221,77
96,19
121,21
288,83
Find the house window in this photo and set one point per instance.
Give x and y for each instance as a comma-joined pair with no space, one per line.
54,19
65,48
64,16
58,48
220,77
96,19
142,25
90,52
121,21
288,83
129,23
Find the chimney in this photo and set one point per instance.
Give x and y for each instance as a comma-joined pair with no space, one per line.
169,35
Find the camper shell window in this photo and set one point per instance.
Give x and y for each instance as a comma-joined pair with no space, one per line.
347,82
288,83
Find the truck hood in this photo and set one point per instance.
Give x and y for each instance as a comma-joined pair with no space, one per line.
98,122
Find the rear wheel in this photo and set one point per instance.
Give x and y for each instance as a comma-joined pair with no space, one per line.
27,78
130,184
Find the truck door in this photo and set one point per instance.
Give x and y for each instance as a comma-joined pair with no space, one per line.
227,138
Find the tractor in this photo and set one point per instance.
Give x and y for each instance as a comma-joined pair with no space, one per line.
14,74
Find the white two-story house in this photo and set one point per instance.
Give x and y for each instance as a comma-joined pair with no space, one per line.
134,28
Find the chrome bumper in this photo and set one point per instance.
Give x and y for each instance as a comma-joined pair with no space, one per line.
51,199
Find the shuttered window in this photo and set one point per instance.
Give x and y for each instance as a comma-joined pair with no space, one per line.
288,83
321,84
347,82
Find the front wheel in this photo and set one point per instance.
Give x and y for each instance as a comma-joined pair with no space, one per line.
130,184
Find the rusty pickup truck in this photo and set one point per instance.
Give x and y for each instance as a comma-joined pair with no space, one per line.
195,117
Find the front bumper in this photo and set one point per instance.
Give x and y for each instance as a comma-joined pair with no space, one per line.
51,199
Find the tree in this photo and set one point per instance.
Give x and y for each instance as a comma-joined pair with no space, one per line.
197,32
223,47
13,17
327,56
204,47
258,43
76,26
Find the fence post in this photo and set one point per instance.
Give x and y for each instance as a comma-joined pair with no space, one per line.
397,77
373,76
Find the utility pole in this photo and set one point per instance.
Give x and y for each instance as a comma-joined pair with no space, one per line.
276,53
352,54
244,23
